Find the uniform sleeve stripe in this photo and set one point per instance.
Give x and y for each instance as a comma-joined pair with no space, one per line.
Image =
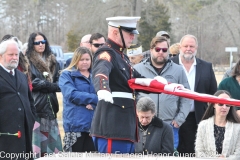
101,75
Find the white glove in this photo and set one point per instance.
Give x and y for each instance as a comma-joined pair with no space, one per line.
161,79
105,95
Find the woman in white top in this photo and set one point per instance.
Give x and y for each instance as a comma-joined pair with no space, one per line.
218,133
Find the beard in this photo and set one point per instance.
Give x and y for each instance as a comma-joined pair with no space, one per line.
188,57
11,65
159,62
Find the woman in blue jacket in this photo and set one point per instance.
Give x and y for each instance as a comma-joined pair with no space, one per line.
79,102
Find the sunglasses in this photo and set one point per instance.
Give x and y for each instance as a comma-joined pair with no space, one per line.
220,104
97,44
37,43
172,55
159,49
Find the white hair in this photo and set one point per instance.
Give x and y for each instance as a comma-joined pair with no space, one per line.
86,38
146,104
18,42
189,36
4,45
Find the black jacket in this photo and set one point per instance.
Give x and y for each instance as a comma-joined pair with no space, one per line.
111,71
16,113
159,138
45,88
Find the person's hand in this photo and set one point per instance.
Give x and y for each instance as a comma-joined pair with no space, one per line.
89,107
105,95
161,79
174,123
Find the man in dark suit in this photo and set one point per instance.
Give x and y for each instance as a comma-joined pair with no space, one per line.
201,79
16,105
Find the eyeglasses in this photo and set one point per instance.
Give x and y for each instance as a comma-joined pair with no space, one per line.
172,55
159,49
38,42
97,44
220,104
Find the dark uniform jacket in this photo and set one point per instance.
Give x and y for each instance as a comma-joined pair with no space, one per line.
16,113
111,71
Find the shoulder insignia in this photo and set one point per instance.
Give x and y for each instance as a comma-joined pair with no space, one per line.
105,55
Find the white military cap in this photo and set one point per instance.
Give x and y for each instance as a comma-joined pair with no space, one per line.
128,24
135,49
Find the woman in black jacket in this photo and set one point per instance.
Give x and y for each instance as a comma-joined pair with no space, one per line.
44,69
155,136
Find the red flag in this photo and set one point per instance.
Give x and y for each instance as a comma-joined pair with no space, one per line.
154,86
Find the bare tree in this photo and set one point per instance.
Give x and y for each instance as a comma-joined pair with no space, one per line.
213,22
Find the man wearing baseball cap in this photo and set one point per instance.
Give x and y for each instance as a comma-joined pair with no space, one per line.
114,127
165,34
134,54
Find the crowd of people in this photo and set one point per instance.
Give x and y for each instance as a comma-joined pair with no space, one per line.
101,113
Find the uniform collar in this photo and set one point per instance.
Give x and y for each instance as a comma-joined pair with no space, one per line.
114,46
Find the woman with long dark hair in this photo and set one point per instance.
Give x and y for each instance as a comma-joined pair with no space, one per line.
218,133
44,74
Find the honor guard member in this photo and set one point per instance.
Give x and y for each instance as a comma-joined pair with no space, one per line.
114,125
135,54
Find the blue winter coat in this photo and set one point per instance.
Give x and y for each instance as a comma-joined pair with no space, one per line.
78,92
